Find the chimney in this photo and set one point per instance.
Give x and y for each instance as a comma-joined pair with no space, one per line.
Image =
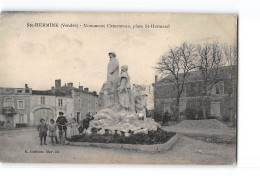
70,84
156,78
26,86
57,84
86,89
53,90
81,87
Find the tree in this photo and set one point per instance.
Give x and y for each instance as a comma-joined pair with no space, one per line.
230,59
209,62
178,62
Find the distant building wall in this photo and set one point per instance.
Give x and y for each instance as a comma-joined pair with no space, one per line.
18,99
220,102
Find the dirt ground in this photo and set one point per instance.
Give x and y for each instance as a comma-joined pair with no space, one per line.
18,146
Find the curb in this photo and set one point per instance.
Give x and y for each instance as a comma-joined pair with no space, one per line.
138,147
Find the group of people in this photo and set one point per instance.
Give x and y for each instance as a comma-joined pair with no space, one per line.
61,124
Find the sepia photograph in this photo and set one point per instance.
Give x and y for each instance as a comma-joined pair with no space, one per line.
118,88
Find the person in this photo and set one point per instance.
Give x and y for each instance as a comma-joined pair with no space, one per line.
124,93
62,122
42,128
85,122
52,131
74,128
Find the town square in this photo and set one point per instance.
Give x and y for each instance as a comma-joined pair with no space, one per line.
173,103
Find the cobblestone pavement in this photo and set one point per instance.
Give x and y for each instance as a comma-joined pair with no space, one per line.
21,145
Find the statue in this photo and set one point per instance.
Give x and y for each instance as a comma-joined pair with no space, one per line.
122,109
113,69
108,95
140,98
124,90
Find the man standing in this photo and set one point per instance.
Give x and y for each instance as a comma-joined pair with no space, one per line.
62,121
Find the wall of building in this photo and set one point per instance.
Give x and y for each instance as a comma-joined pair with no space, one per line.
36,104
84,103
25,112
66,106
165,97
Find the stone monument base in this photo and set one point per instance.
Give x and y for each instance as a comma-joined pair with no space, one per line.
121,122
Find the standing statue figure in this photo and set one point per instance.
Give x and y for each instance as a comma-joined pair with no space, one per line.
108,96
113,69
124,89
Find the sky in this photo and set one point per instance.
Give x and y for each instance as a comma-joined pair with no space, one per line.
38,56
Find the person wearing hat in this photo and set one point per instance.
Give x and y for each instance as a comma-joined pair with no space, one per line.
62,122
113,68
85,122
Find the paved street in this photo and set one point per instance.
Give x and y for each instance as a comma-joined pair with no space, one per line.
187,151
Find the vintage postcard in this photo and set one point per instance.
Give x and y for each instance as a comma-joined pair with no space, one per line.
118,88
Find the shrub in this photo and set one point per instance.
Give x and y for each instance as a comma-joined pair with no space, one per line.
19,125
225,118
2,123
158,116
193,114
153,137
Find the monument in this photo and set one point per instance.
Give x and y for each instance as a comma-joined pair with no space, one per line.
122,106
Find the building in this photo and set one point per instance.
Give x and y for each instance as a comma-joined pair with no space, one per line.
47,104
84,101
26,106
221,102
15,106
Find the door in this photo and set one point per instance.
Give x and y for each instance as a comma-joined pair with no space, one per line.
9,121
43,113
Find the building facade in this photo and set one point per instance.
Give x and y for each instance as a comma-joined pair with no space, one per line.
15,106
220,103
26,106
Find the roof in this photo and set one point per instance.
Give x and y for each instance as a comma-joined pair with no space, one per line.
49,92
67,90
196,75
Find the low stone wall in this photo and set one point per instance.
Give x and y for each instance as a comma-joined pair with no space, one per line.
138,147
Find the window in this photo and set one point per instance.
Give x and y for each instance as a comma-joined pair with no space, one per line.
9,102
60,102
79,104
20,104
217,89
78,116
27,90
182,105
42,100
19,91
21,118
221,87
215,109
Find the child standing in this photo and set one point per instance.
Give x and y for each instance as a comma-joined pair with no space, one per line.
42,128
52,131
74,128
